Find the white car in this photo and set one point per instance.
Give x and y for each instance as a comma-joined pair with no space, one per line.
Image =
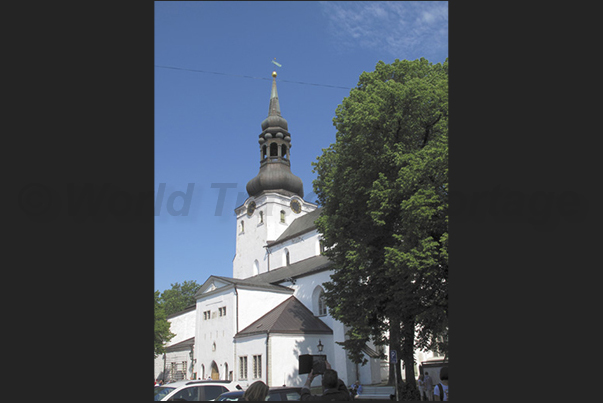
193,390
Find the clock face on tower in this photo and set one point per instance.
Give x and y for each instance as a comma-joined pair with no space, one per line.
250,208
295,206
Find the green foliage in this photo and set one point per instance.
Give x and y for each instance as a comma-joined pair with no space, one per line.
383,186
179,296
169,302
162,327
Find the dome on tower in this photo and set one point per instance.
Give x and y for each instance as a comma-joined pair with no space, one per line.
275,141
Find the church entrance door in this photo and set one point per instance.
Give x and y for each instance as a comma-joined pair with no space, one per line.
215,374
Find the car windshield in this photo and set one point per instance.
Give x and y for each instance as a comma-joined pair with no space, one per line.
230,396
161,392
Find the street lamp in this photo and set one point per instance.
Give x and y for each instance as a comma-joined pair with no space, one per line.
320,346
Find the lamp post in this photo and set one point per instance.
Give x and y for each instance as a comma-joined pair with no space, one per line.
320,346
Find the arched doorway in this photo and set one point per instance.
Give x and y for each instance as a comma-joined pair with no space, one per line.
215,374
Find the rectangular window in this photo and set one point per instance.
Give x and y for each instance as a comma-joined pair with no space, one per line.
206,315
242,368
222,311
257,366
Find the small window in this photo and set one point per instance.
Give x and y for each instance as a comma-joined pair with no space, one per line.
257,366
287,258
261,217
282,216
242,368
242,226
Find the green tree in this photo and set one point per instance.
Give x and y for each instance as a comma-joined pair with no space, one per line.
179,296
162,327
383,186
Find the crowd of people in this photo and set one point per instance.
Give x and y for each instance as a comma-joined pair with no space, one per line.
428,391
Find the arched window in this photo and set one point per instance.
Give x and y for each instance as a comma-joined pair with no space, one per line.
318,302
256,267
322,306
273,150
242,226
261,217
282,216
287,257
264,152
284,151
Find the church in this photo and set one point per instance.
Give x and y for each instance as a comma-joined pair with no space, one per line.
254,325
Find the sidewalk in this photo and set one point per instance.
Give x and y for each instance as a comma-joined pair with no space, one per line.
376,393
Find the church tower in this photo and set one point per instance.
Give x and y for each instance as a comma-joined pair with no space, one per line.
275,196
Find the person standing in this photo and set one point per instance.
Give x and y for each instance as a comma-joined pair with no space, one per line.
441,389
333,388
421,386
257,392
428,386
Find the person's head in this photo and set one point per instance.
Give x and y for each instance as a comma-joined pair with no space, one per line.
426,373
444,373
357,382
329,379
257,391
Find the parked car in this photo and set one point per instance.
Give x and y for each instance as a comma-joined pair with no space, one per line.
280,393
193,390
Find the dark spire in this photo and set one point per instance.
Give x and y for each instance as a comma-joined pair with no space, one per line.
275,144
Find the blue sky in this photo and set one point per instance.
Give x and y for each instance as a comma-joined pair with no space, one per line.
207,124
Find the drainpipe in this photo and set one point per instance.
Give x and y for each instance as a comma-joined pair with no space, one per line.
235,367
268,256
268,360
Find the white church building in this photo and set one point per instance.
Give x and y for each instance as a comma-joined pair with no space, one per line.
255,324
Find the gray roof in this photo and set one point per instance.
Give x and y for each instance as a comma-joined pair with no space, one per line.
302,268
189,308
243,282
299,226
183,345
290,317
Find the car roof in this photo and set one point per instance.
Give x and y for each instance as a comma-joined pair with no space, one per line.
285,387
191,382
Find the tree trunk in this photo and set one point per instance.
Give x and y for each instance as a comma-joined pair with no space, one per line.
394,344
407,355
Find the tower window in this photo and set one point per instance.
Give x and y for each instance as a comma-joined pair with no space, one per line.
264,152
273,150
284,151
282,216
242,226
261,217
287,257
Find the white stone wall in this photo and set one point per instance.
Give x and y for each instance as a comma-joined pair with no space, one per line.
250,242
284,367
250,346
255,303
183,326
301,247
218,330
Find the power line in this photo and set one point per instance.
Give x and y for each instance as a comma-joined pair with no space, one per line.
255,78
